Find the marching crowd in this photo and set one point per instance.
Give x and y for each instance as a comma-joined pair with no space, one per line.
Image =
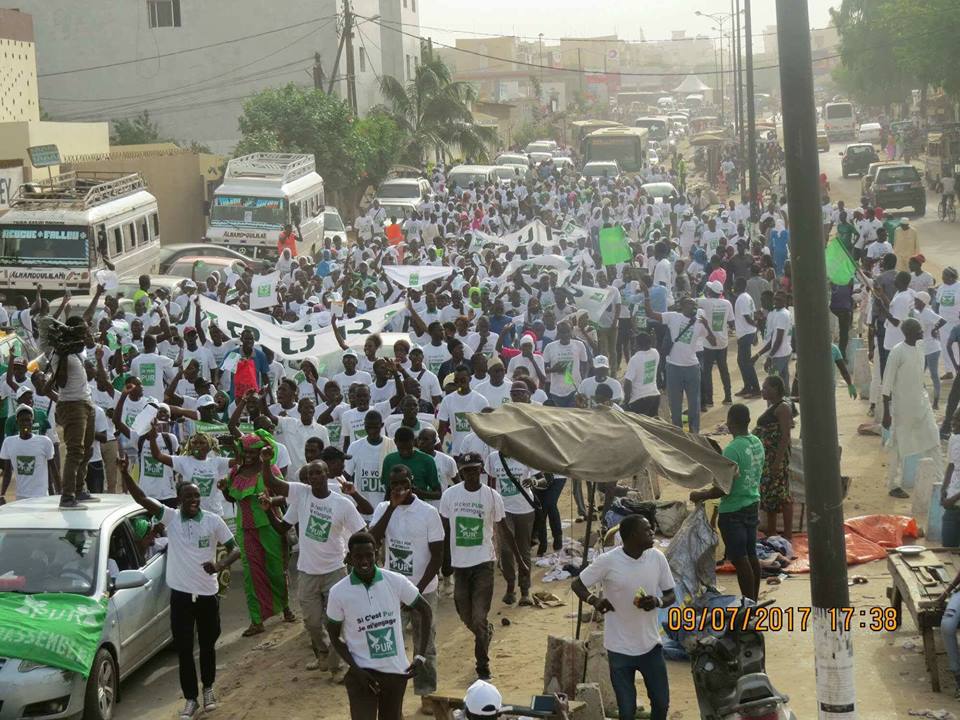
550,289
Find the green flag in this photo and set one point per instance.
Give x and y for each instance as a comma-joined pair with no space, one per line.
840,267
613,246
61,630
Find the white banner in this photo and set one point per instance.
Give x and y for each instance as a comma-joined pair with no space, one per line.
263,293
293,344
556,262
415,276
529,234
592,299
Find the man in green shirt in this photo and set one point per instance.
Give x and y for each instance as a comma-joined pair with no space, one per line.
739,509
422,467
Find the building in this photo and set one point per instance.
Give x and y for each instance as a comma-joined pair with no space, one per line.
19,101
192,63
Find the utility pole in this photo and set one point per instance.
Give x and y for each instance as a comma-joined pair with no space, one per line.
752,114
833,646
722,123
540,36
741,164
351,75
733,68
318,77
336,61
580,67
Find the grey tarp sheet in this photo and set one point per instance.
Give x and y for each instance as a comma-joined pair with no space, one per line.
601,445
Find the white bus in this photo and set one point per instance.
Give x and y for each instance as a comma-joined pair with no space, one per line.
60,231
839,120
260,194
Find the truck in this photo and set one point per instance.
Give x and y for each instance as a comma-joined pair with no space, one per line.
943,154
260,194
61,230
839,120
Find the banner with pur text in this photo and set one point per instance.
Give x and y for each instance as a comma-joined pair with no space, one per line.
293,344
62,630
593,299
263,293
415,276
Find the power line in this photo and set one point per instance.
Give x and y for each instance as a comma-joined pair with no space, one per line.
577,70
185,50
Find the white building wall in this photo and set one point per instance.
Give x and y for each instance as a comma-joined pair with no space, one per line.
192,94
400,30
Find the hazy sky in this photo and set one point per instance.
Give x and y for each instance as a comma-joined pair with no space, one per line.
559,18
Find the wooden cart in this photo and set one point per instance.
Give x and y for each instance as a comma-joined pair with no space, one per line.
916,582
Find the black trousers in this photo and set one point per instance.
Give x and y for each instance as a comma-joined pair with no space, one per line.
203,612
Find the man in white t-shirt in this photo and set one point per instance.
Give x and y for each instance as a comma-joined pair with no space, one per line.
29,458
293,432
452,413
636,581
364,464
640,391
470,511
601,376
779,341
719,313
365,623
494,389
745,327
412,534
151,368
515,491
566,364
192,567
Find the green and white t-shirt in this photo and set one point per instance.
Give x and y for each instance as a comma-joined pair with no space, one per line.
156,479
472,516
191,543
564,362
642,374
150,368
513,500
325,525
205,474
370,619
719,312
453,410
28,458
408,536
365,465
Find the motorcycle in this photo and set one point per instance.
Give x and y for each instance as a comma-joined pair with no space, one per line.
729,672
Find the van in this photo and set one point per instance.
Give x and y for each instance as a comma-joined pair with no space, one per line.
839,120
869,133
462,175
60,231
260,194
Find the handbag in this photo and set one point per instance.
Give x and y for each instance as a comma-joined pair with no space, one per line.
666,345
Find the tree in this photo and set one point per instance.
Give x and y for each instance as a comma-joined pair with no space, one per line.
139,130
433,114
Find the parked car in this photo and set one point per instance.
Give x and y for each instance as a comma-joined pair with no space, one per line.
91,553
652,157
537,157
563,164
129,284
185,267
506,173
404,189
823,141
169,254
660,191
856,159
463,175
601,168
333,224
513,159
898,186
866,180
546,146
869,132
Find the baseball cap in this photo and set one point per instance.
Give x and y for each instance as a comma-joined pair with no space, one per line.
920,258
470,459
715,286
483,699
923,297
26,408
205,400
349,352
526,340
333,453
24,390
904,221
601,361
496,362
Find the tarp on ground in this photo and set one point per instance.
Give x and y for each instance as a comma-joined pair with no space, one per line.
601,445
887,531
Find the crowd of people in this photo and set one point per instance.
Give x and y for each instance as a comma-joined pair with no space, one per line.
366,460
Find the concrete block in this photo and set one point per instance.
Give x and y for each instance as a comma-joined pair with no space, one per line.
598,669
862,372
935,515
563,664
589,694
927,475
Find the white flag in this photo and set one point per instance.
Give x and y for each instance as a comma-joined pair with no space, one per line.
263,293
557,263
593,299
415,276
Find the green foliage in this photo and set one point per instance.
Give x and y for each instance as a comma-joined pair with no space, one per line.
139,130
537,129
379,141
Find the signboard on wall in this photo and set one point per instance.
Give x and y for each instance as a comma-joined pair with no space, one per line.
44,155
10,179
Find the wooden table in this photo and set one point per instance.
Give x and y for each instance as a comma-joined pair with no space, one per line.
917,581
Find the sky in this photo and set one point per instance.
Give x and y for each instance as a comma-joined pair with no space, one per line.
576,18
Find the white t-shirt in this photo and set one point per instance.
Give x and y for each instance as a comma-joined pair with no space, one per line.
325,525
564,362
779,320
408,536
642,374
190,543
686,335
948,299
589,388
28,459
744,307
718,312
453,410
351,423
472,516
204,359
205,474
370,619
928,321
628,629
434,356
345,381
150,368
294,434
100,425
447,471
496,396
366,466
429,384
513,500
520,361
901,307
156,479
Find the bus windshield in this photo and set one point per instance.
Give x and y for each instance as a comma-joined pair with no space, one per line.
52,245
233,210
840,110
656,126
625,150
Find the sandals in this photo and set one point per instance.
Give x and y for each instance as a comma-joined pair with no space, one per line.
254,629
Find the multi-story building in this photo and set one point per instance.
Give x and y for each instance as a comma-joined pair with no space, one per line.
18,68
191,64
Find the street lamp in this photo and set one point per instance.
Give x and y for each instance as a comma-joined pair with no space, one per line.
718,18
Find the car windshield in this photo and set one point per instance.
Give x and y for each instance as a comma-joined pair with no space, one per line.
898,175
464,178
332,222
659,190
399,190
42,561
507,173
232,210
861,150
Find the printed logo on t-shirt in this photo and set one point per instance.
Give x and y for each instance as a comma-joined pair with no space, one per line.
649,371
686,336
719,316
414,280
264,290
26,464
148,374
381,643
203,541
948,300
334,431
317,529
401,561
468,531
152,467
508,488
204,482
434,366
371,484
460,422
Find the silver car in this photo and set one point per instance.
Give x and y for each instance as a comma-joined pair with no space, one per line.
92,552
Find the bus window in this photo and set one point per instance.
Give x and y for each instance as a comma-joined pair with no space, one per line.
144,232
156,226
117,241
130,233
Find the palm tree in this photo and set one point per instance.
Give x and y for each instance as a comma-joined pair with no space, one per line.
433,112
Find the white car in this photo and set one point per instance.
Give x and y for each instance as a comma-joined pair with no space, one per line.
652,157
601,168
659,191
542,146
89,554
333,226
869,132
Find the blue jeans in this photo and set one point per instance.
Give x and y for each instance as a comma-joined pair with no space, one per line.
623,670
713,357
781,367
933,367
948,631
565,401
684,379
747,371
550,513
950,527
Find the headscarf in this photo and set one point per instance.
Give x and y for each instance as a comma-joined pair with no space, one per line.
257,440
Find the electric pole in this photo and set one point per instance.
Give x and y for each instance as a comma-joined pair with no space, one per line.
833,644
318,77
336,61
752,114
739,80
351,76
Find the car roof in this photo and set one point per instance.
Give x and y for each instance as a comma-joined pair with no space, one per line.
45,513
896,166
208,259
471,168
870,125
863,144
600,162
401,181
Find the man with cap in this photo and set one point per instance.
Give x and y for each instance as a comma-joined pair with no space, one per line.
906,243
920,279
482,701
30,458
601,376
494,389
470,511
931,324
529,359
350,374
719,313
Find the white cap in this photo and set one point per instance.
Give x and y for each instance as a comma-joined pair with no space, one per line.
922,296
24,408
526,340
23,390
483,699
715,286
205,400
601,361
349,352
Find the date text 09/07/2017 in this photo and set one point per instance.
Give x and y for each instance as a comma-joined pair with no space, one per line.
776,619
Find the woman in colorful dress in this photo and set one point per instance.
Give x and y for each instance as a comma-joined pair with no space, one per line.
773,429
262,549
